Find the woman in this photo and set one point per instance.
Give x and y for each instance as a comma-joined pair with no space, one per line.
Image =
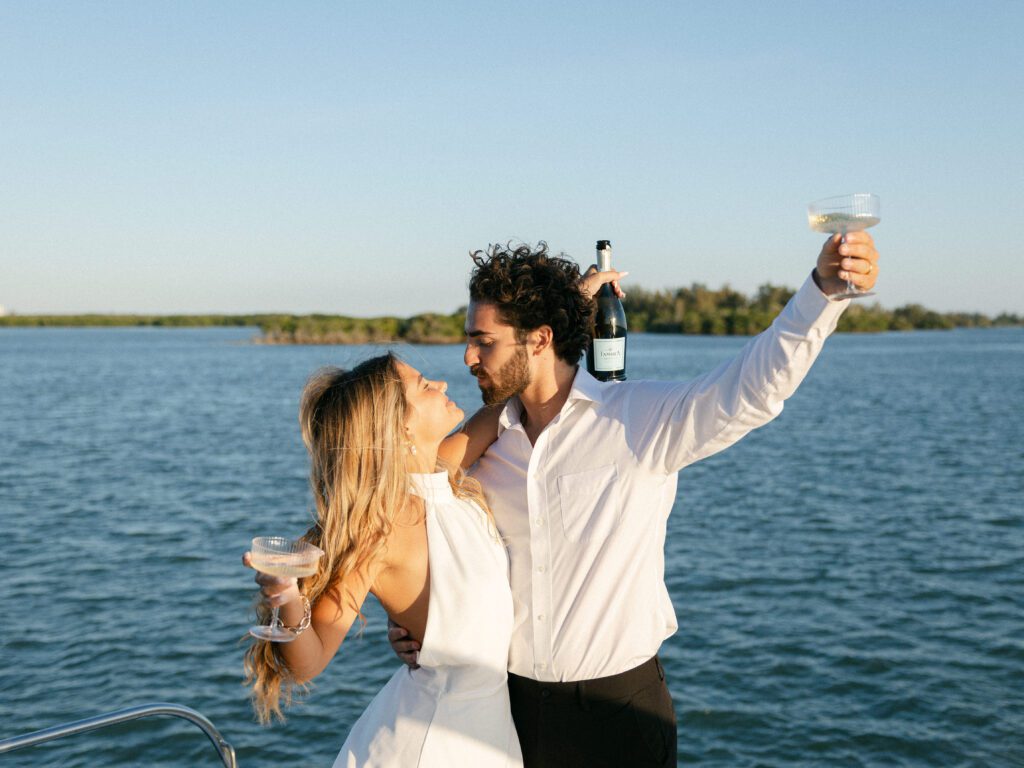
383,513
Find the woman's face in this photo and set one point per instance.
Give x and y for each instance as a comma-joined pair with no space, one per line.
431,414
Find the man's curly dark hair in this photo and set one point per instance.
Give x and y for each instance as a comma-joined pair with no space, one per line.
531,288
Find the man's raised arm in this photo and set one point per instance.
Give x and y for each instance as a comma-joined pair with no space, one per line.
671,425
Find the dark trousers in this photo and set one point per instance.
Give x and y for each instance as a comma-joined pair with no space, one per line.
611,722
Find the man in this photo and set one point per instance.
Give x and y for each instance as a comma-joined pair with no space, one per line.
582,478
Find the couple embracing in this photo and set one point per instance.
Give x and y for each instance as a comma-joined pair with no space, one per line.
528,595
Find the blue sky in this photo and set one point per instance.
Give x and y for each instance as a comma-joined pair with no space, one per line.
342,157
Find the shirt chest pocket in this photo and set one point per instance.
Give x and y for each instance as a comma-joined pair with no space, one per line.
589,503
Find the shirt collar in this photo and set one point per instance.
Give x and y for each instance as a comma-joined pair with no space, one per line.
510,414
584,387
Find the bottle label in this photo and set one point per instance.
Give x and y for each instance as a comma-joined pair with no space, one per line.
609,354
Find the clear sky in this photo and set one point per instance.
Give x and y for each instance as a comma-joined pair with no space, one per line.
345,157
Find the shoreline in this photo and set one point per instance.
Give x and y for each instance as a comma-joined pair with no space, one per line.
276,340
693,311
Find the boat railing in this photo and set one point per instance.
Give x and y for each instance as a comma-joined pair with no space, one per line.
225,750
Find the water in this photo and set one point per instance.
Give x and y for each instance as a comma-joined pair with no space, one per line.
849,580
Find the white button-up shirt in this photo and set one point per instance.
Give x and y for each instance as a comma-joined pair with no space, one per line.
584,511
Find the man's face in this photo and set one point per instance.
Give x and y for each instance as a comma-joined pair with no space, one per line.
499,362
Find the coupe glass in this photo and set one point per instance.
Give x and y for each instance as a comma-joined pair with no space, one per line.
285,558
843,214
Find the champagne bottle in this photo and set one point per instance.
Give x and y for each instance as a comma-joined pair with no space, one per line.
606,353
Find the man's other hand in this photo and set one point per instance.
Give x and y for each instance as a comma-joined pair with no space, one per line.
405,648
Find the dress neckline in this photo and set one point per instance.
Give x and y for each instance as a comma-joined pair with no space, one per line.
431,486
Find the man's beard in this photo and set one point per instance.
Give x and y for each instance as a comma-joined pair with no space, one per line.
511,379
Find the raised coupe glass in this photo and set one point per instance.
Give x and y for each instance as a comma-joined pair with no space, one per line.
843,214
286,558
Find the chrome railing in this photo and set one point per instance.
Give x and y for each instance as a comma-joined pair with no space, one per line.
225,750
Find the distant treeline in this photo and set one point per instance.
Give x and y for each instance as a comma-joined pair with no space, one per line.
427,328
126,321
693,310
700,310
335,329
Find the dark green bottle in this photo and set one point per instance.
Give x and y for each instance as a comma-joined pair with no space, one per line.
606,353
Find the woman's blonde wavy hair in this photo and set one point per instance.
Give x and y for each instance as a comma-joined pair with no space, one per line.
353,425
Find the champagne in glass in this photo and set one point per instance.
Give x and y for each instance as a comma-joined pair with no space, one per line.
844,214
284,558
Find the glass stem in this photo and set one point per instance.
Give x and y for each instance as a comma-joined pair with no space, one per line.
273,617
850,287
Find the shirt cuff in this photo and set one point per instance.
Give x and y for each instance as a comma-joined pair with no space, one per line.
815,307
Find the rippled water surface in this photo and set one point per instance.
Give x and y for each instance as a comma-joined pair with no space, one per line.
849,579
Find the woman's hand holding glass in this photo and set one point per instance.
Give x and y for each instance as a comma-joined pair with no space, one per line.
276,590
279,563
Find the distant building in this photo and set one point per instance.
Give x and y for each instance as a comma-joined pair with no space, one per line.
3,311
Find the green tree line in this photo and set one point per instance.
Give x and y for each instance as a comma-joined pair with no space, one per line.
701,310
693,310
428,328
125,321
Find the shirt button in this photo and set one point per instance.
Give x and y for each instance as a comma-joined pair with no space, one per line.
542,667
540,617
539,521
540,569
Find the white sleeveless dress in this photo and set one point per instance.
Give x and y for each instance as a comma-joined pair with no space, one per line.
454,710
